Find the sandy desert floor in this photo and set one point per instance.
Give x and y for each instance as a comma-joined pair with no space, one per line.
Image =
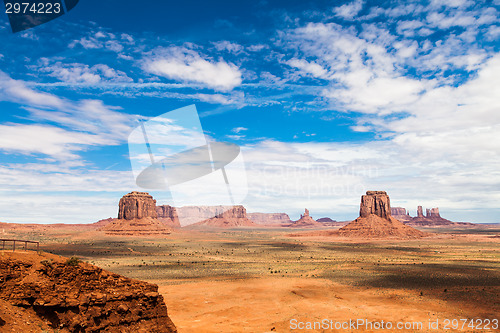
263,280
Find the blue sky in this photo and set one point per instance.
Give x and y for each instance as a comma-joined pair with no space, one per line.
327,99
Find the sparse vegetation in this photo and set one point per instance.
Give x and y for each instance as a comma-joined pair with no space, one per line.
73,261
47,263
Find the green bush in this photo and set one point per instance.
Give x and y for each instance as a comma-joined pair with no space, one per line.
73,261
47,263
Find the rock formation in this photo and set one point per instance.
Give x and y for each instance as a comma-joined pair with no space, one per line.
273,219
375,203
325,220
229,218
305,221
432,213
55,294
168,215
420,212
375,220
137,205
398,211
401,214
137,216
432,218
193,214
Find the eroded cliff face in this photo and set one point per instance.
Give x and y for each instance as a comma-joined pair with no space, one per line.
137,205
376,203
168,215
80,297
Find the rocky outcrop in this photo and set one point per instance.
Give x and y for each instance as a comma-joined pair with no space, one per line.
274,219
375,203
168,215
305,221
69,296
137,205
375,220
236,216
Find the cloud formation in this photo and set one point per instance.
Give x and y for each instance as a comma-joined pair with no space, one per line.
186,65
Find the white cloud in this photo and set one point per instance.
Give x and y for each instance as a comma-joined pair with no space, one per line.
228,46
48,140
308,67
350,10
17,91
329,178
239,129
81,73
182,64
84,123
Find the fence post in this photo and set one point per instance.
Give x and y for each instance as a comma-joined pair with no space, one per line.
14,247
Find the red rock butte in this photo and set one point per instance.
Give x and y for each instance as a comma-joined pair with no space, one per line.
137,216
137,205
375,220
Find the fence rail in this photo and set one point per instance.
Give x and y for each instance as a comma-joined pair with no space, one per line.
19,241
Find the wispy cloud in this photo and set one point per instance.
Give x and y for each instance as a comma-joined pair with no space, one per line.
63,127
80,73
186,65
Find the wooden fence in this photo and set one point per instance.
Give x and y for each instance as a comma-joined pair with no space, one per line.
19,241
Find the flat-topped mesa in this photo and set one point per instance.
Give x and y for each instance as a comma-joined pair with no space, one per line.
228,217
432,213
376,203
398,211
168,215
235,212
137,205
269,218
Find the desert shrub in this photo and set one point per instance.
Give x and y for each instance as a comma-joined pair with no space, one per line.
73,261
47,263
